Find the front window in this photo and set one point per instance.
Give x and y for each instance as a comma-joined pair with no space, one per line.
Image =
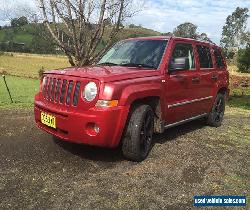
182,57
135,53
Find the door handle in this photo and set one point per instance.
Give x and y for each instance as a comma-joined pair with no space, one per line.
195,79
214,77
179,76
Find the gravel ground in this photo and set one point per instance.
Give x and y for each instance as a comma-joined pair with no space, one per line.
37,172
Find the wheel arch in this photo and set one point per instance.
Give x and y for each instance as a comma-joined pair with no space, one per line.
155,103
222,90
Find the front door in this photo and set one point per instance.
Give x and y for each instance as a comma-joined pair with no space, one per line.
181,82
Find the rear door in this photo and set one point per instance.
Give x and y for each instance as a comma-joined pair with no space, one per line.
181,83
208,77
221,67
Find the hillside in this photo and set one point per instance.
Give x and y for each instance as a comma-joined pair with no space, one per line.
20,35
27,34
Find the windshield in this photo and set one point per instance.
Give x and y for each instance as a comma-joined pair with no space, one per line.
138,53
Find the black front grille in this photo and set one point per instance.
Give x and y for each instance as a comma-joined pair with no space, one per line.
53,89
69,92
62,97
58,88
49,89
76,93
63,91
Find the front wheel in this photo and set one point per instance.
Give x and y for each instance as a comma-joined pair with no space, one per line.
138,135
215,117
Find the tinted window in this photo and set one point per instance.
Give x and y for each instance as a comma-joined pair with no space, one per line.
136,52
183,50
204,56
218,58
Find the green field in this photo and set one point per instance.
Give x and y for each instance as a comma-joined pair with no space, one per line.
28,65
240,97
22,91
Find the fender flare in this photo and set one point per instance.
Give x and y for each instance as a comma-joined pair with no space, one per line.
140,91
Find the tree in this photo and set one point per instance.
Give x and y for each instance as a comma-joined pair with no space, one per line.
204,37
14,22
132,26
234,31
78,26
23,21
186,30
10,10
243,59
189,30
167,34
18,22
41,42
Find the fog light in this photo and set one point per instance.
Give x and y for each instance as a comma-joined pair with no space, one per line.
96,128
92,129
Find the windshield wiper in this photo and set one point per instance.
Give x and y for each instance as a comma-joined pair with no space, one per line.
140,65
107,64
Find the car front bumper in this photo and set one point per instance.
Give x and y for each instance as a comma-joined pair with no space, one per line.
73,126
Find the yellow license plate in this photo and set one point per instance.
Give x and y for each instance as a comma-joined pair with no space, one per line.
48,120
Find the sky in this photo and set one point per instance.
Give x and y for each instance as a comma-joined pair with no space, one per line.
165,15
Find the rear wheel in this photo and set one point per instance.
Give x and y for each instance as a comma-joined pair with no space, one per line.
215,117
137,140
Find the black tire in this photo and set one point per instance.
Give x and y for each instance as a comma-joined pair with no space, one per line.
215,117
137,138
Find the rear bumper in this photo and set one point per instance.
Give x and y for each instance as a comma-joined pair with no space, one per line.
72,126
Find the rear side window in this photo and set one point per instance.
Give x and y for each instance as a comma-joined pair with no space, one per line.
218,58
204,56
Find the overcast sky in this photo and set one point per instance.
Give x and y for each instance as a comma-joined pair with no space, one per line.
165,15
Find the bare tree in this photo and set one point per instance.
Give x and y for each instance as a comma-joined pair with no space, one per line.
78,26
11,9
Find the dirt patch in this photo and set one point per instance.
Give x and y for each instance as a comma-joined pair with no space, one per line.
194,173
37,172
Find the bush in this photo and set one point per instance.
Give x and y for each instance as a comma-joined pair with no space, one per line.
243,60
40,72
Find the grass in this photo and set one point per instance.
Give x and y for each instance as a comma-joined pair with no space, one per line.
239,91
236,99
28,65
23,38
22,91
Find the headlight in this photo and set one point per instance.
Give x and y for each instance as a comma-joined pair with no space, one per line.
90,91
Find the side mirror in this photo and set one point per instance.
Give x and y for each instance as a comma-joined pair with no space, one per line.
181,63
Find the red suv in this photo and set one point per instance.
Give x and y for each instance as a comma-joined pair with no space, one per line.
139,87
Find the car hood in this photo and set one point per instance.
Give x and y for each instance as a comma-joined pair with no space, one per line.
106,73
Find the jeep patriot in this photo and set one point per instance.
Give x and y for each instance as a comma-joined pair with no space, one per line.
139,87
